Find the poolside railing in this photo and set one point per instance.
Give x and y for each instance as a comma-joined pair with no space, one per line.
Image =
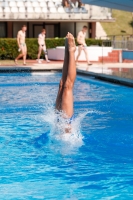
124,42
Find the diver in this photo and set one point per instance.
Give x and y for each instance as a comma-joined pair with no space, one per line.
64,100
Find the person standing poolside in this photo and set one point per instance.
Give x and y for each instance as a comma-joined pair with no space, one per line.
21,45
42,46
82,45
64,100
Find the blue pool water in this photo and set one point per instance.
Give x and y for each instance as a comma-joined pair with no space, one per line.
39,162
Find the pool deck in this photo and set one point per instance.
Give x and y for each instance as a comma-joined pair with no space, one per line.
121,73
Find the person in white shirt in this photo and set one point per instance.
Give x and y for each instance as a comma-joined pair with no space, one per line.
82,45
21,45
42,46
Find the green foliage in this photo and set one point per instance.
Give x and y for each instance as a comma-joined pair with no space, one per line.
121,26
90,42
9,48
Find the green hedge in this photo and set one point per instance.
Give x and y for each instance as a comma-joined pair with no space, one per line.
9,49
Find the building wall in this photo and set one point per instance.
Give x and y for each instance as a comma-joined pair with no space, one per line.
35,28
53,29
9,29
16,27
66,27
93,30
3,29
73,28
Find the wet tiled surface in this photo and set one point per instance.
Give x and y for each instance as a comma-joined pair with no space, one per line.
123,70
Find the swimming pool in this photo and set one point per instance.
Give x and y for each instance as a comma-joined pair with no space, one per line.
37,165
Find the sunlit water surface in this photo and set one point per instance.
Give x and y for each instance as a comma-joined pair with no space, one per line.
38,161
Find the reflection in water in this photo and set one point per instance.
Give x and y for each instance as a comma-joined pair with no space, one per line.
123,72
120,72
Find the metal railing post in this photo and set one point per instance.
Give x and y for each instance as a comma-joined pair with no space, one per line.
119,41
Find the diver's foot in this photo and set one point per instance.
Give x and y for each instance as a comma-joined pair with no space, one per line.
71,42
89,63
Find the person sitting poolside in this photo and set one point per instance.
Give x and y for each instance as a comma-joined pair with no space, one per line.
64,100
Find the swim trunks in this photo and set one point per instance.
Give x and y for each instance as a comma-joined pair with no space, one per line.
23,44
70,120
67,120
84,46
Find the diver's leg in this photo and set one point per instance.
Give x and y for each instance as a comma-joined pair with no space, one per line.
67,96
66,62
59,96
71,75
64,77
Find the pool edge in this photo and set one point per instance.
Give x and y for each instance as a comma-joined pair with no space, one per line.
100,76
107,78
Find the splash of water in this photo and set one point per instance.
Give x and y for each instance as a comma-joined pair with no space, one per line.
58,126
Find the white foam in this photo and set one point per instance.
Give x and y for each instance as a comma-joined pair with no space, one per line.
58,125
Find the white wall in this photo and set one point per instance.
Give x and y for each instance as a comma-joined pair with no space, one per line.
100,32
93,52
